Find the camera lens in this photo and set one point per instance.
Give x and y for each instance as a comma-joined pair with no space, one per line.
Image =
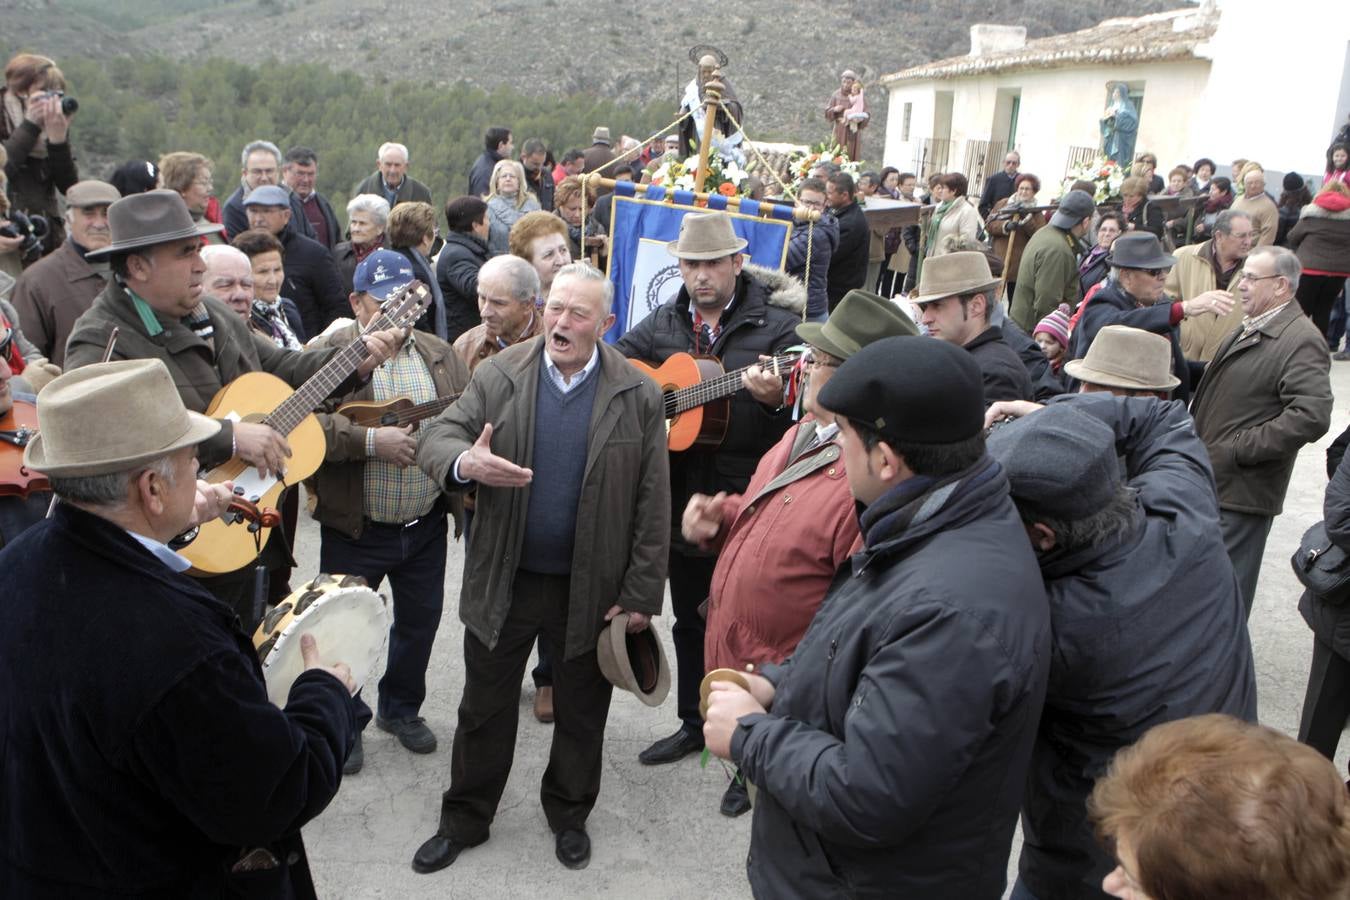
69,105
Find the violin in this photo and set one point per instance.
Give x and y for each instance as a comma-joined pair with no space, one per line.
17,428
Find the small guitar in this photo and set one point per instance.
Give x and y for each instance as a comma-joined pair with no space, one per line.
222,546
396,412
697,389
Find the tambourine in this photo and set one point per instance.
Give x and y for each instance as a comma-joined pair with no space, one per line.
349,621
705,687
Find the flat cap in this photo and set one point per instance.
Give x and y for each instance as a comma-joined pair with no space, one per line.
268,195
1059,461
914,389
84,194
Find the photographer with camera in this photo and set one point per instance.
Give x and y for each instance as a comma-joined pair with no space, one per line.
34,129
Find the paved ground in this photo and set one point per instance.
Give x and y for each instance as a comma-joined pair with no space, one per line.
656,832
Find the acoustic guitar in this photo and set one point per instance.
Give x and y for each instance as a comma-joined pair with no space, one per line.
396,412
222,546
698,391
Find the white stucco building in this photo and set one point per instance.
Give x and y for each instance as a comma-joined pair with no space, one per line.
1212,80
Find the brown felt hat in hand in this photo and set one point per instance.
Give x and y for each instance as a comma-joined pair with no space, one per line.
634,662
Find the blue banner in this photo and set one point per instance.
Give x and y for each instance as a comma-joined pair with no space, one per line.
644,273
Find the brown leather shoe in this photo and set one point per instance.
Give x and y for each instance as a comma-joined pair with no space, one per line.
543,703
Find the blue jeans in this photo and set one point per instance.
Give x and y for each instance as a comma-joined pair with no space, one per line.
1336,325
412,557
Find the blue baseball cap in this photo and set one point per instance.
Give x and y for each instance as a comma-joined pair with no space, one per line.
381,273
268,195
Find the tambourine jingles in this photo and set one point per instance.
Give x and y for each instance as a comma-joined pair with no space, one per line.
349,621
705,687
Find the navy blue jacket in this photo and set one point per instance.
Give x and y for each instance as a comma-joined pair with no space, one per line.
138,748
823,238
312,281
1112,306
235,219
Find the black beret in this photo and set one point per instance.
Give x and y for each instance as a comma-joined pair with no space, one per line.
1059,461
916,389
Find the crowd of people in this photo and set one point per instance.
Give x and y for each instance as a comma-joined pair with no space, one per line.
986,553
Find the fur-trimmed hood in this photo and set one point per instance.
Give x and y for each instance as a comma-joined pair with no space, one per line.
1314,211
785,292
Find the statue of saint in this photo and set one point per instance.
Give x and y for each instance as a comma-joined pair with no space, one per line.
1120,125
727,138
847,112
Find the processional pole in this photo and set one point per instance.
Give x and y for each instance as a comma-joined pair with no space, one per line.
712,89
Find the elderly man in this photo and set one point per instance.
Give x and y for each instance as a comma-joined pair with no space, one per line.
380,516
391,179
891,748
176,775
261,162
497,146
1256,204
508,288
1001,184
836,111
55,291
1126,362
848,263
956,293
814,245
776,558
299,172
598,156
1134,296
1266,394
1205,270
154,301
228,278
312,280
737,315
1048,274
561,545
1147,616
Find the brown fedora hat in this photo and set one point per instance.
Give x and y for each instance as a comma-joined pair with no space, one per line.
154,217
1126,358
634,662
111,417
953,274
706,236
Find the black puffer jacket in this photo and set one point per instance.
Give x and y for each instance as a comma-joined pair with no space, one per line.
894,756
457,272
848,265
762,321
312,281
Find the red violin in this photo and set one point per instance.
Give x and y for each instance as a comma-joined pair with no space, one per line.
17,428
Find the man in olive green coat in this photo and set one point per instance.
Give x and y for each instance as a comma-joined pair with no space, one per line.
1048,274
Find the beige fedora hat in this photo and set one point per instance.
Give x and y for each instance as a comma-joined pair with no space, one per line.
111,417
707,235
1127,358
154,217
953,274
634,662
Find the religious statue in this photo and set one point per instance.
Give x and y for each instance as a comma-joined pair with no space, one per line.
726,137
847,109
1120,125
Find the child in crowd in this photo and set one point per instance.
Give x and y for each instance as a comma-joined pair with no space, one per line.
1052,336
857,107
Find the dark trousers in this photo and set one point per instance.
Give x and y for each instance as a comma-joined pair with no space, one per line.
1316,294
690,582
412,557
485,740
1244,537
542,673
1326,703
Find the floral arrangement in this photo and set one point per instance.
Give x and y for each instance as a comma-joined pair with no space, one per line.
800,165
724,177
1106,174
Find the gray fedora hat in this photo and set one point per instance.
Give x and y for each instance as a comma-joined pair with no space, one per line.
634,662
706,236
1128,359
1139,250
860,318
83,419
154,217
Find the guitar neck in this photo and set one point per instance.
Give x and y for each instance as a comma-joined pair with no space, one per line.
723,385
420,411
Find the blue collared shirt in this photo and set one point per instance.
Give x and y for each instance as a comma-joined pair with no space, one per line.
162,552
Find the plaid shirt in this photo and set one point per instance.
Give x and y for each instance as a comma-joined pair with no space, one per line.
1250,324
395,494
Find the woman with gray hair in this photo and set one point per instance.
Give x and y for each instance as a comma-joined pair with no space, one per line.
367,216
507,200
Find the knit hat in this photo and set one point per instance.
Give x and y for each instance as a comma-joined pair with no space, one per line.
1056,325
1293,181
1059,461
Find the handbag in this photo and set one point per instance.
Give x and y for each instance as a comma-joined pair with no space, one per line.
1322,567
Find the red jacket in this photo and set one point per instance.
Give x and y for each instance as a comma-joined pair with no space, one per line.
783,540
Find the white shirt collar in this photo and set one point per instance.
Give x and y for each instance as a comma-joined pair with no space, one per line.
162,552
556,374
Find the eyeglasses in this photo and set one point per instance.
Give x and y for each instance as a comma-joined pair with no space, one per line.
1244,275
820,360
1158,273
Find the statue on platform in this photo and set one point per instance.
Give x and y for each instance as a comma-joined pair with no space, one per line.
727,138
847,110
1120,124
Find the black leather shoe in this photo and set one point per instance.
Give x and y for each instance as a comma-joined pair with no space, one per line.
671,749
356,759
438,852
736,800
574,848
412,733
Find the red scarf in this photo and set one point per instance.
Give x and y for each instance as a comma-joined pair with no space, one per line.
362,253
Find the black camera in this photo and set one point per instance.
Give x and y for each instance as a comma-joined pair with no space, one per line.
69,105
33,229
